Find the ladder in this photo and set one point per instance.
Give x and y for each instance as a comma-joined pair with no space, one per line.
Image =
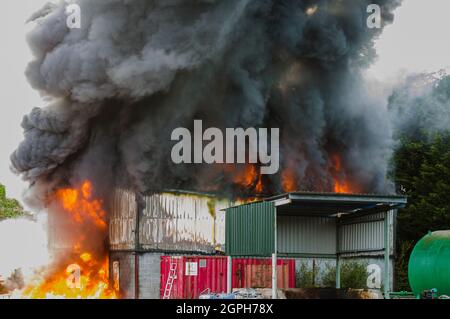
170,279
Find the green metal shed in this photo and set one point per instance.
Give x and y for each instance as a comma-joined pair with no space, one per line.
316,225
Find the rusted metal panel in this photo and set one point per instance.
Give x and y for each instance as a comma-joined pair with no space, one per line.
257,273
170,221
183,222
219,228
122,222
298,235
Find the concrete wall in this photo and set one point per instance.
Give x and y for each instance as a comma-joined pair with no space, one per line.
149,274
126,272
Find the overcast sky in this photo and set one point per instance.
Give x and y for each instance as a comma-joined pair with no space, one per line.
417,41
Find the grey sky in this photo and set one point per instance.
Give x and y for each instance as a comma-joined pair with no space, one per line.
414,43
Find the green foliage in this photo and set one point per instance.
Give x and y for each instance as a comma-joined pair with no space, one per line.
421,162
2,192
401,265
353,275
307,276
329,277
9,208
422,171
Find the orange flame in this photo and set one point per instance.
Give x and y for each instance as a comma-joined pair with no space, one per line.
341,182
250,179
343,188
288,180
82,274
85,279
79,203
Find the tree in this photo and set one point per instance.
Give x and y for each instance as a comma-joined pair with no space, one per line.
9,208
422,172
420,110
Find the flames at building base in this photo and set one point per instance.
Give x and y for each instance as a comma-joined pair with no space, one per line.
80,267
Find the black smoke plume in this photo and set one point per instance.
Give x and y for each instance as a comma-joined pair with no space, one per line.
138,69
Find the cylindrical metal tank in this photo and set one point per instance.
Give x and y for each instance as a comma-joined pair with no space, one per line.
429,264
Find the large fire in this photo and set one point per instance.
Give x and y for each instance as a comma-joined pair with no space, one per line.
250,179
80,272
250,183
341,183
288,180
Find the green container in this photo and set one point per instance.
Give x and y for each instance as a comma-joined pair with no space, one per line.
429,264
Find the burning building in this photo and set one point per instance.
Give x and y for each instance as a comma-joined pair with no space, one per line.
319,227
143,228
137,70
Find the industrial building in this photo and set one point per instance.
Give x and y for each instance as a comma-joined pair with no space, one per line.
317,226
144,228
301,226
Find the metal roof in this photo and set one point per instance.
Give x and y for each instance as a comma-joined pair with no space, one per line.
331,204
313,224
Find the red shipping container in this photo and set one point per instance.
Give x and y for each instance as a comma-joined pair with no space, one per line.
194,275
257,273
197,274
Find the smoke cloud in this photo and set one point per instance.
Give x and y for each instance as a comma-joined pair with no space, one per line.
421,103
138,69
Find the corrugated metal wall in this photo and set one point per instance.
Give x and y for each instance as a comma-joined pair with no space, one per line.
365,234
306,235
194,275
250,230
179,222
167,222
122,221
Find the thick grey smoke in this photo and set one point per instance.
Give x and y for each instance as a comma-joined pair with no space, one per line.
138,69
421,104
